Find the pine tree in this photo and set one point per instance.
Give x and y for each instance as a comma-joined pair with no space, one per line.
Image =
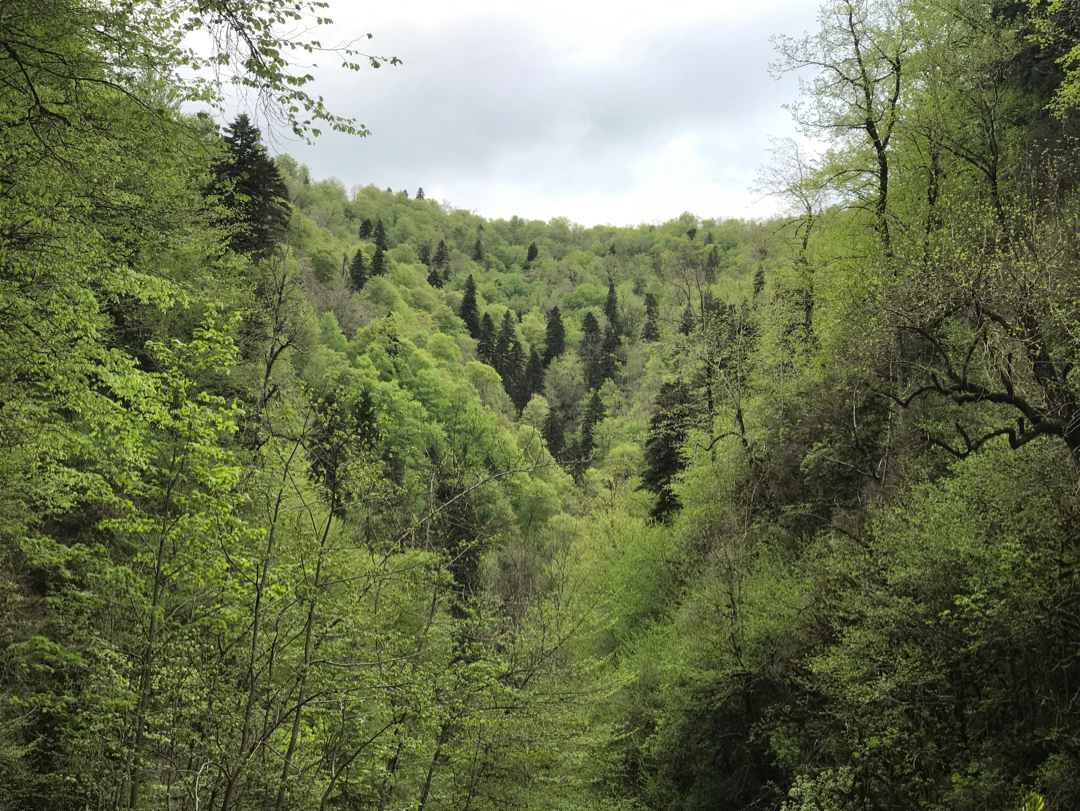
478,251
514,376
593,415
379,235
663,457
442,255
470,314
555,344
533,252
611,307
553,433
688,321
505,340
485,343
609,354
712,265
651,332
534,375
252,190
365,229
709,238
691,232
357,273
759,280
425,254
420,193
378,262
435,279
590,349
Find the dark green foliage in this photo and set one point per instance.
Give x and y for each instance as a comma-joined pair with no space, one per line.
435,279
593,415
534,376
469,313
554,434
514,378
505,339
591,350
485,341
609,354
663,448
650,333
555,343
420,193
478,251
357,272
424,253
365,229
709,238
689,321
759,280
378,262
442,256
531,254
252,190
611,307
691,233
379,236
712,265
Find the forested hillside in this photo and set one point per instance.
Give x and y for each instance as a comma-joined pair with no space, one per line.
328,497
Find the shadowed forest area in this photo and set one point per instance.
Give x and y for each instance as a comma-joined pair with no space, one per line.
341,499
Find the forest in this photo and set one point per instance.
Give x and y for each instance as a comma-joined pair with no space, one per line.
328,498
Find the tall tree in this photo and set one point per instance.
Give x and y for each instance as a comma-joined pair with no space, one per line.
591,350
366,228
378,262
611,307
442,256
555,343
252,190
651,332
470,313
485,341
379,236
357,272
420,193
531,254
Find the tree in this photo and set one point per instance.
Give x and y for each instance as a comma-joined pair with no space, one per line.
435,279
691,233
470,313
442,256
378,262
505,340
534,375
593,416
379,236
591,350
252,190
365,229
651,332
531,254
420,193
478,251
611,307
663,460
555,342
712,265
357,274
609,355
485,342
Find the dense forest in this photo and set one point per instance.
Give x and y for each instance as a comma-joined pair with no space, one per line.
327,498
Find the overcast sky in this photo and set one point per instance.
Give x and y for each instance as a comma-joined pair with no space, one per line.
599,112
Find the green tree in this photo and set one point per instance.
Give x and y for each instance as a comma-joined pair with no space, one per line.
469,313
555,343
366,228
357,273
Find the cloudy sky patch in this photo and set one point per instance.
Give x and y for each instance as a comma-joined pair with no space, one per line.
560,108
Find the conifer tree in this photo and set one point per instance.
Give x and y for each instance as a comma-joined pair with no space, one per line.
609,354
534,375
357,272
663,458
378,262
593,415
420,193
435,279
651,332
478,251
611,307
425,254
365,229
485,343
688,322
505,340
252,190
555,344
759,280
442,255
709,238
591,349
712,265
533,252
553,433
514,376
470,313
379,235
691,232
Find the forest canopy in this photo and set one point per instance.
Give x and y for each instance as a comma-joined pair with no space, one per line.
325,499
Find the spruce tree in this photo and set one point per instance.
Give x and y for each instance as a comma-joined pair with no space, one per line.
663,446
470,314
252,190
709,238
505,340
379,235
651,332
435,279
611,307
478,251
759,280
514,376
442,255
590,349
357,272
688,322
378,262
533,252
593,415
712,265
425,254
555,344
609,354
420,193
691,232
365,229
485,343
534,375
553,433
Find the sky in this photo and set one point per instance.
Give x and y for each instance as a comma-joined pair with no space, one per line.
561,108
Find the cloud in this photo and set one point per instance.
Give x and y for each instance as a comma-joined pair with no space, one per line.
500,112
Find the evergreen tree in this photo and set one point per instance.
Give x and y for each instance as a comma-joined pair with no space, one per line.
378,262
420,193
435,279
651,332
554,434
688,321
593,415
252,190
478,251
759,280
485,343
712,265
534,375
514,376
379,235
611,307
365,229
709,238
505,340
425,254
357,272
691,232
663,457
442,255
611,249
470,313
555,344
590,349
609,354
533,252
